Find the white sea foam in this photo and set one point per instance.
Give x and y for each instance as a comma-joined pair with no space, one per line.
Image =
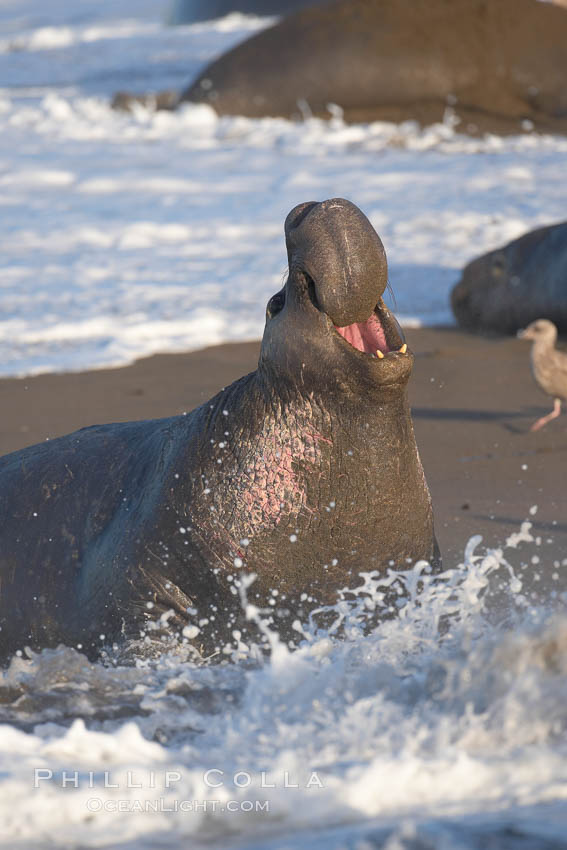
446,720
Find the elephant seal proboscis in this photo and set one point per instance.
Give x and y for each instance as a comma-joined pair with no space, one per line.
304,472
509,288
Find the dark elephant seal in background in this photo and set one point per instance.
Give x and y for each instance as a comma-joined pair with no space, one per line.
512,286
190,11
304,472
499,63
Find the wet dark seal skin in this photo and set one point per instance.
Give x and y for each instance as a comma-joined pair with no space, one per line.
304,472
509,288
497,63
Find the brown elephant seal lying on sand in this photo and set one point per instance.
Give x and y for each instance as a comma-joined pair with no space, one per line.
501,64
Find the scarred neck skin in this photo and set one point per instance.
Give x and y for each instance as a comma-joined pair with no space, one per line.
312,459
333,490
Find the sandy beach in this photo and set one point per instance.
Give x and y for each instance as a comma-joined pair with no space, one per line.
473,402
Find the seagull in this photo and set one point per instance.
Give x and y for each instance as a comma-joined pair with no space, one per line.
549,366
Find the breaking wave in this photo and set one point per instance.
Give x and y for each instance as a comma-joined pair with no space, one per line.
443,726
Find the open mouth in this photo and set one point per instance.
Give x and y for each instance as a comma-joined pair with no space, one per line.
379,336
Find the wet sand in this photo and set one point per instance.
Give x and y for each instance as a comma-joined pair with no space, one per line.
473,401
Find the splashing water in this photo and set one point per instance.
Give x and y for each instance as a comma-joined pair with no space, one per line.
443,726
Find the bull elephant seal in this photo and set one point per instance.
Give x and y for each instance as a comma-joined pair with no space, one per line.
507,289
303,472
500,63
190,11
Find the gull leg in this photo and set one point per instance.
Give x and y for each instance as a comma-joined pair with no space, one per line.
545,419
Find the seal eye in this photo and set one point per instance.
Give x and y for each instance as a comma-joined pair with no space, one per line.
275,304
